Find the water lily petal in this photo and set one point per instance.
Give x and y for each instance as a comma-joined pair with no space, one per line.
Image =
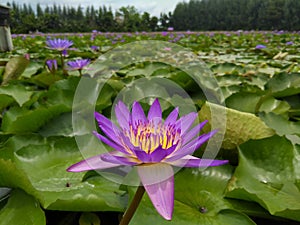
171,119
191,161
142,155
121,160
190,147
155,112
158,180
193,132
108,127
123,115
93,163
159,154
137,115
185,122
111,143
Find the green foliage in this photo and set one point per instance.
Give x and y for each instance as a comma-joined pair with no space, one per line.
273,180
58,18
22,207
258,91
237,14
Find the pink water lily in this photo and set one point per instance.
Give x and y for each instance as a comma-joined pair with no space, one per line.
153,145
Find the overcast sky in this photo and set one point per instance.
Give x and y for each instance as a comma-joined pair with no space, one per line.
154,7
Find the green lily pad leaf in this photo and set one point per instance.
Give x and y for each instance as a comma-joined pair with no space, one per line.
229,80
46,79
22,207
19,93
273,105
284,84
45,165
12,177
62,92
245,102
5,101
240,126
20,120
256,79
105,97
227,68
268,173
89,219
59,126
281,125
227,91
14,69
198,200
32,68
147,69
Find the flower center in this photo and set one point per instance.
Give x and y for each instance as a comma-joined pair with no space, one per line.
149,136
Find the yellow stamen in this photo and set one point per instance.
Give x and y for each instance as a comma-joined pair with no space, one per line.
150,136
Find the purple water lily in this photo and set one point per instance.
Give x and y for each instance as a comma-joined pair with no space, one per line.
59,44
153,145
260,46
78,64
52,65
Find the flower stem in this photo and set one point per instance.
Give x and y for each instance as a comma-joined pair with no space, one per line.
133,206
63,64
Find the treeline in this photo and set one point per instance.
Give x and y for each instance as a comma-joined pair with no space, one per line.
195,15
57,18
237,14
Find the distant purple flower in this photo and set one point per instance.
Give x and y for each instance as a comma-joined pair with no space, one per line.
289,43
280,32
260,46
59,44
95,48
164,33
153,145
170,28
52,65
64,53
78,64
27,56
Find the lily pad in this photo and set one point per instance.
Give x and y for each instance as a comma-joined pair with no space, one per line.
284,84
38,166
281,125
268,173
19,93
22,207
14,68
239,126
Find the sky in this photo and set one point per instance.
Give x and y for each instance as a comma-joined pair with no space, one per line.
154,7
